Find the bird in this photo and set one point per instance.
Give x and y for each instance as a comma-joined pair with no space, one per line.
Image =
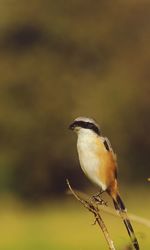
99,163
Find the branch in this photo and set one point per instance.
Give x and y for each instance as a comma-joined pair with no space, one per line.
93,208
133,217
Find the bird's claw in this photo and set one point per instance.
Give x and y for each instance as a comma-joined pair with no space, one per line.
98,200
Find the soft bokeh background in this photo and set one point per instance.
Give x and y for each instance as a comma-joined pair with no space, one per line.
59,60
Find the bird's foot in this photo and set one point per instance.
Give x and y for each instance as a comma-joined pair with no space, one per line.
97,199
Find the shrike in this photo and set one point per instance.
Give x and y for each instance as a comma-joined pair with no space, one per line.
99,164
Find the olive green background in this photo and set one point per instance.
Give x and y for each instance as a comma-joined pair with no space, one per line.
59,60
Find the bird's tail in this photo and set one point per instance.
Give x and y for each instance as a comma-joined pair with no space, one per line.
120,207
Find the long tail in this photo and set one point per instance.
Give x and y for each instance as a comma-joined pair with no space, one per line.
120,207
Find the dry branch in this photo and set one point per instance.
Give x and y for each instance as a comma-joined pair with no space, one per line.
106,209
93,208
133,217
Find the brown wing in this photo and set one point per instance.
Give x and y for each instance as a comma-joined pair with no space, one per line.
108,146
107,171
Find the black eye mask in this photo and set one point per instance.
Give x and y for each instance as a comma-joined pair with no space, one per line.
86,125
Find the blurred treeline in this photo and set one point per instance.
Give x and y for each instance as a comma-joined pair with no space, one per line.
62,59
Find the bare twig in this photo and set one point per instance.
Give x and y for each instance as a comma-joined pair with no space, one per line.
92,207
133,217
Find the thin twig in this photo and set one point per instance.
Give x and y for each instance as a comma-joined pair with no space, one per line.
106,209
133,217
92,207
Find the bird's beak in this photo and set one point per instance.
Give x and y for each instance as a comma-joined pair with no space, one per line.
71,126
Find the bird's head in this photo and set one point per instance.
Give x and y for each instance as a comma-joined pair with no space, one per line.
85,124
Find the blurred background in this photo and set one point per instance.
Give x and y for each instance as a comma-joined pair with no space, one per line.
60,60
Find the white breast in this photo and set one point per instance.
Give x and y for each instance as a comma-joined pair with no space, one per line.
89,160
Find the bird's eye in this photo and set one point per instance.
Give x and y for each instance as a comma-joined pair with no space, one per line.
90,125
